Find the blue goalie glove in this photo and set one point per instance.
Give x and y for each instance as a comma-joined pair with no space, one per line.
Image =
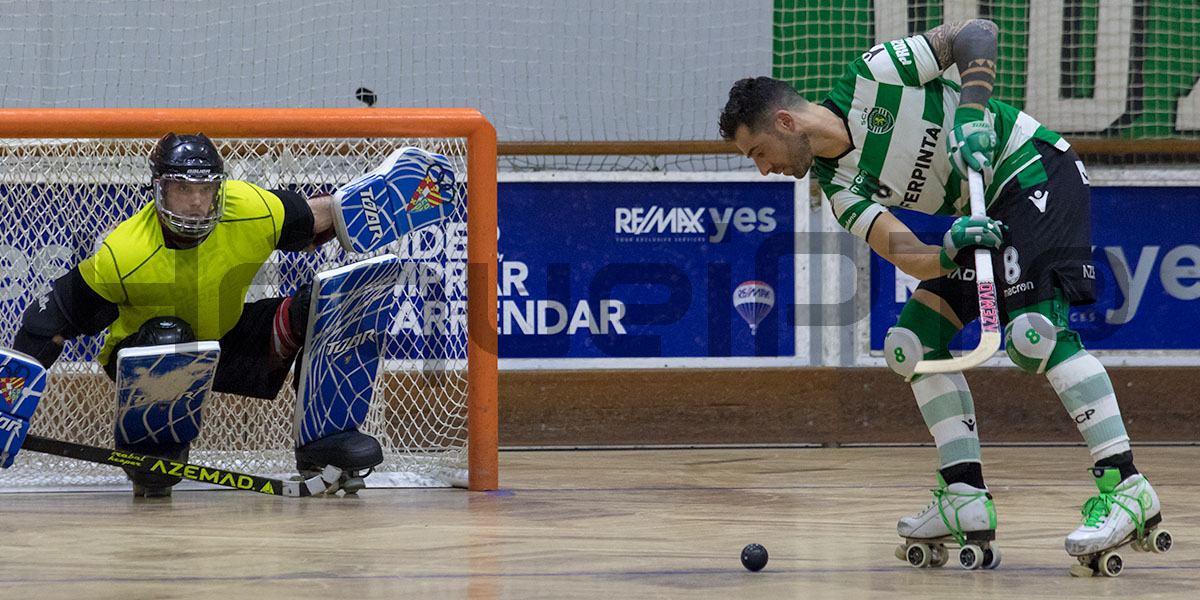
410,190
22,381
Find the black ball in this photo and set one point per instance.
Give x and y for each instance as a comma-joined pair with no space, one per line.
754,557
366,96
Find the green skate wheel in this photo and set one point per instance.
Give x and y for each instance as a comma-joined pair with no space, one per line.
970,557
1111,564
918,554
1159,541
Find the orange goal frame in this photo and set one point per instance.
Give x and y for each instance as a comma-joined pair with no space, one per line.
482,414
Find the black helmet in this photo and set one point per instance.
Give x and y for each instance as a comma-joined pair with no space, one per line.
188,160
185,155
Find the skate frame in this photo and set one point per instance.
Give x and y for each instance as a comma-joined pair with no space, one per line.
989,315
165,466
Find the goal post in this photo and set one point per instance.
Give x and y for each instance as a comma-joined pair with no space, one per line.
68,175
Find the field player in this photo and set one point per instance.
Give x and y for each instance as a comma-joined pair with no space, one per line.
894,133
178,271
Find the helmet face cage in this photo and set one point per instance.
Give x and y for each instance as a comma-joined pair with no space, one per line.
187,225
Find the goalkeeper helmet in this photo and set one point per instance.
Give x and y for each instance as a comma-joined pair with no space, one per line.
189,196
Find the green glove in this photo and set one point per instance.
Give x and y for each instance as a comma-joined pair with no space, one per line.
972,143
967,232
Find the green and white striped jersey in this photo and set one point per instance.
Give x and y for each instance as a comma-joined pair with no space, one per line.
899,110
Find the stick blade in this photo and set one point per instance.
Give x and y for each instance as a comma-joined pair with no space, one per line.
989,343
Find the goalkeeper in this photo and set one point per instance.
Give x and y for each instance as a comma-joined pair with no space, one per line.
178,271
893,133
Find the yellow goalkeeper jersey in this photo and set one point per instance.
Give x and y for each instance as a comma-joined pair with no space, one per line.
205,285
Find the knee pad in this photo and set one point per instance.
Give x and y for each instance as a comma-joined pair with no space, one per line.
162,330
902,349
1030,340
156,331
920,332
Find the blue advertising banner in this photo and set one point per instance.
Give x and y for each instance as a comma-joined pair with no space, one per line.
1146,246
646,269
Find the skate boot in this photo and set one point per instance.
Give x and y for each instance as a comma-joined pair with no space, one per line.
959,514
1125,512
154,485
355,453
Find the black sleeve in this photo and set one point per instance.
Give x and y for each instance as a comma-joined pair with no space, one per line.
297,231
83,310
70,309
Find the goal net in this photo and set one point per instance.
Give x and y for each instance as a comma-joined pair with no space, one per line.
59,196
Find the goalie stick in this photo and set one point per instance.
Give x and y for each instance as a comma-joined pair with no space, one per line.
989,311
165,466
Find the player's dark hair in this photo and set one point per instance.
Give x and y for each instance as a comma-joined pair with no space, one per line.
753,101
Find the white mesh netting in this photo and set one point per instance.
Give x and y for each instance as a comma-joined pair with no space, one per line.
58,197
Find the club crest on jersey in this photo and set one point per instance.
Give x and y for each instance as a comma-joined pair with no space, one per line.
11,388
427,195
879,120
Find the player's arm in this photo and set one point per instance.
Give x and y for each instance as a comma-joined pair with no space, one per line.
306,223
70,309
891,239
895,242
972,46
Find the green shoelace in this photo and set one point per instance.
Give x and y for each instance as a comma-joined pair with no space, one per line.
1096,509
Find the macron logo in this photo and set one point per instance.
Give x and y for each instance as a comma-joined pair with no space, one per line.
1039,199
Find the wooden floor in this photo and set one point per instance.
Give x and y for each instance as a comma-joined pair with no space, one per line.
596,524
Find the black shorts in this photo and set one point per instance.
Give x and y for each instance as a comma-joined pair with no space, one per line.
1043,251
246,367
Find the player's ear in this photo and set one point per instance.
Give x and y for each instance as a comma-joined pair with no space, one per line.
785,121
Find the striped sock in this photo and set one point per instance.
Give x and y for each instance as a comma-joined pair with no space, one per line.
949,412
1085,390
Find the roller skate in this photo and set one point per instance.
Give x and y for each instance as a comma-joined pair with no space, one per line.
154,485
1125,512
959,514
355,453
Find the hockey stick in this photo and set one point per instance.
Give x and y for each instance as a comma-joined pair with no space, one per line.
165,466
989,314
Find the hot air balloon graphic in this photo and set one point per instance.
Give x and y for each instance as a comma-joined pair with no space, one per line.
753,300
